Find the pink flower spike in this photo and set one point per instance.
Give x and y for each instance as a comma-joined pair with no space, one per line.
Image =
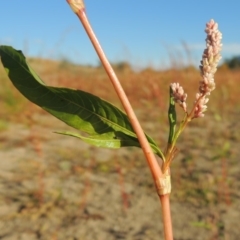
179,95
210,58
201,106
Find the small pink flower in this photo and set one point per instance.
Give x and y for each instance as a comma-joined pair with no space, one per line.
179,95
201,105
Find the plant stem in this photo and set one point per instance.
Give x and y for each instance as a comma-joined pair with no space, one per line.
153,164
150,157
166,212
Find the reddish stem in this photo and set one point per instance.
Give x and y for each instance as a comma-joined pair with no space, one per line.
152,162
166,212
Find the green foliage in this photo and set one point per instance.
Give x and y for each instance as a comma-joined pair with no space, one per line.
233,63
106,125
172,117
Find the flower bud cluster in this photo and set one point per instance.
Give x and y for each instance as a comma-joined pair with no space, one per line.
210,58
201,106
179,95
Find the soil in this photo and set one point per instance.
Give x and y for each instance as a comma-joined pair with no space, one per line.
58,188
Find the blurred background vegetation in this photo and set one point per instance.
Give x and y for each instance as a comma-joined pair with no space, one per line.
205,174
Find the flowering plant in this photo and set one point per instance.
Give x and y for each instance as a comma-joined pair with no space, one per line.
106,125
210,58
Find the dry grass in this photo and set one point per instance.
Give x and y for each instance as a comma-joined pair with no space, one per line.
147,90
204,173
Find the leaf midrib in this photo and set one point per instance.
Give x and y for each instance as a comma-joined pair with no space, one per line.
130,133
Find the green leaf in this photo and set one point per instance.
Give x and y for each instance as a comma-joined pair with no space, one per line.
113,140
172,117
106,125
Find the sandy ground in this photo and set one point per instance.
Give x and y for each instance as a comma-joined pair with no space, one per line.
58,188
